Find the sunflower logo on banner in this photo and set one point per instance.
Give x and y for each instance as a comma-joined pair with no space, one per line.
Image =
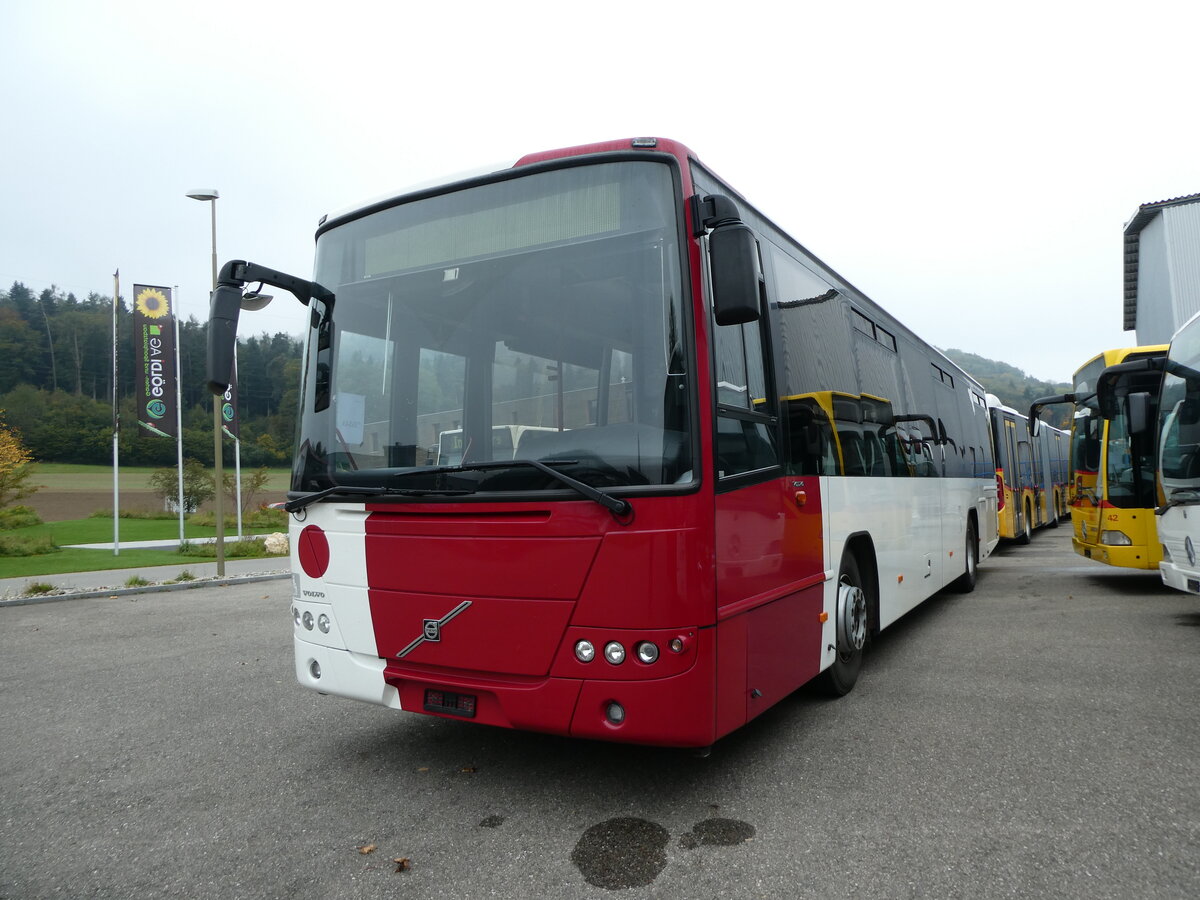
154,335
153,303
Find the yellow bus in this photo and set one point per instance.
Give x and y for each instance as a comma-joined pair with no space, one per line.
1113,494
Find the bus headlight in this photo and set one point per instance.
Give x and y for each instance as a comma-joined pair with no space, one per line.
1115,539
614,653
584,651
647,652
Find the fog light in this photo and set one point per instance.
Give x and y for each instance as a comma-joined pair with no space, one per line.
647,652
614,653
323,623
314,669
307,621
296,615
584,651
615,713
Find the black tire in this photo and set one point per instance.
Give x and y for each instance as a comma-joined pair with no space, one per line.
1055,515
1026,534
965,583
838,680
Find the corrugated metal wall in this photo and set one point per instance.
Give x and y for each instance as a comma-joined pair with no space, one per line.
1168,285
1183,250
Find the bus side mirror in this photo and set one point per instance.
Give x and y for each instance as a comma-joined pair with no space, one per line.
224,306
1035,426
733,259
1138,405
735,273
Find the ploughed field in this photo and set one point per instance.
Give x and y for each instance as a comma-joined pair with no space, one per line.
75,492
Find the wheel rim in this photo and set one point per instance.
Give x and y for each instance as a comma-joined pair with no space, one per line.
852,616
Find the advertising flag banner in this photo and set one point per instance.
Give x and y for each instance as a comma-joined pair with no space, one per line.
154,336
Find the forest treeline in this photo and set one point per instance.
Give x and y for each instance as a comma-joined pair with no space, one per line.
56,375
1013,386
56,384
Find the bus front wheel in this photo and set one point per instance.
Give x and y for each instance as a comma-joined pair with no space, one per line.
851,628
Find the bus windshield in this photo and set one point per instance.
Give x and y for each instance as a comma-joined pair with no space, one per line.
536,317
1179,412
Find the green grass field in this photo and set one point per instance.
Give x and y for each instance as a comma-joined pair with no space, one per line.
73,490
64,561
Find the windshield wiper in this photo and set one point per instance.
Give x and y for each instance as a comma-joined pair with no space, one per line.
360,491
615,505
1180,497
618,507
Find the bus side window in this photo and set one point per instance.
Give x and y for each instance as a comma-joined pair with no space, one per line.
743,446
810,438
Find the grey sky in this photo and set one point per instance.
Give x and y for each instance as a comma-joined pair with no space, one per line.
970,167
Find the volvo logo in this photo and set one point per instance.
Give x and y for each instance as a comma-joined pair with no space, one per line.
431,629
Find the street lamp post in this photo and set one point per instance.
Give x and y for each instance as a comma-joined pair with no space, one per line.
210,195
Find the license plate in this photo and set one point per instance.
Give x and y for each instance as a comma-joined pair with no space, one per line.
450,703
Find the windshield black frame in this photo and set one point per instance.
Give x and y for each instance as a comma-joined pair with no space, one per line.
603,450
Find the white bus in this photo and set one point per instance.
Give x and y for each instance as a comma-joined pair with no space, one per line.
1179,461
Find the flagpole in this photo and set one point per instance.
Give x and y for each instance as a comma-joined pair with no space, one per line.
237,455
116,423
178,412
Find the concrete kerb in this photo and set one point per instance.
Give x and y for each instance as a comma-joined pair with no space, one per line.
66,594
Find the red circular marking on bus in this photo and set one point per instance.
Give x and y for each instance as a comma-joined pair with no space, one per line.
313,551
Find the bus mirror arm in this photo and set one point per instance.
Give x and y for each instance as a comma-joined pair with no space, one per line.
227,302
1035,409
938,436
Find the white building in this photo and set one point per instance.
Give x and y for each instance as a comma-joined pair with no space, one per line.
1162,268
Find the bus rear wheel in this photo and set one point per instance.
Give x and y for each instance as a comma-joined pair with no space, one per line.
965,583
1026,534
851,628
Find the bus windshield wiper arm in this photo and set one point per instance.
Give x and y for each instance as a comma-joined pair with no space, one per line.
1180,497
615,505
360,491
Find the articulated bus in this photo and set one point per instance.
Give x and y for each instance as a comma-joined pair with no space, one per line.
1031,472
736,468
1114,494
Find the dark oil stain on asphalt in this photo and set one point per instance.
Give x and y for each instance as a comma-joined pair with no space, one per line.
717,833
492,822
628,852
621,853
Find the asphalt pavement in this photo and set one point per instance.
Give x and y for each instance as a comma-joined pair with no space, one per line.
1035,738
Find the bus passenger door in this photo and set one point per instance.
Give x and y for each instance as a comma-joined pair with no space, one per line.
1014,481
769,560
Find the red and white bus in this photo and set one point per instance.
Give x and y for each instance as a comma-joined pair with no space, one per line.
733,468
